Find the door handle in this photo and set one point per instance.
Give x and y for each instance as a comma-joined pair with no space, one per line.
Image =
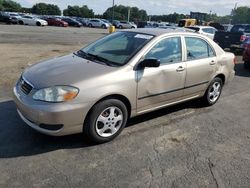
180,69
212,62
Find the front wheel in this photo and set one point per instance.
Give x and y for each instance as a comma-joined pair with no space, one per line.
213,92
106,121
38,24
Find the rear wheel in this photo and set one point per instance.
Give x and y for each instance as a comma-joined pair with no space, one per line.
213,92
105,121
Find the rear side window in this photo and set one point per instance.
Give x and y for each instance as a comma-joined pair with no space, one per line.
198,48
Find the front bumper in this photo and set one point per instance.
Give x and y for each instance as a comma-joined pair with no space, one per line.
36,113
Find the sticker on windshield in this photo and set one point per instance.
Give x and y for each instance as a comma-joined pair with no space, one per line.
141,36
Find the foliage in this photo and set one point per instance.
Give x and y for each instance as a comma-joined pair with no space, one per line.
241,15
9,5
172,18
121,13
83,11
45,9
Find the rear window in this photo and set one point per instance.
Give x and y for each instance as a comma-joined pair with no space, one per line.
247,30
238,28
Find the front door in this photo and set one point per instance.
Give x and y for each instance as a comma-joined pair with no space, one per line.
162,85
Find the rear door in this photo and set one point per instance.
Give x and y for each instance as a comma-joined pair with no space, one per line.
162,85
201,64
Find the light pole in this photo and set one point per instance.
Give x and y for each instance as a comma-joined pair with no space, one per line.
128,14
113,10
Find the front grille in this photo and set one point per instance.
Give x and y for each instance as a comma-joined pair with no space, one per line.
25,87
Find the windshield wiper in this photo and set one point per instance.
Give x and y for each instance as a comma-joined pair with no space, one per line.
99,58
92,57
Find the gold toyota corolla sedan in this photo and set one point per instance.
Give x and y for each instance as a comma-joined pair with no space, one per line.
96,89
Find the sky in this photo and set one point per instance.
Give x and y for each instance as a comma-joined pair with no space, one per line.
153,7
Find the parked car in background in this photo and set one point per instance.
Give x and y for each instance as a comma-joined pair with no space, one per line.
6,18
123,75
246,53
31,20
83,21
115,23
98,23
14,15
126,25
56,22
72,22
233,39
204,30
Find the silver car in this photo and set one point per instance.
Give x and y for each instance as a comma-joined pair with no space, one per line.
125,74
126,25
98,23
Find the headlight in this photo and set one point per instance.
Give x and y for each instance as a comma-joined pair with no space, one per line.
56,94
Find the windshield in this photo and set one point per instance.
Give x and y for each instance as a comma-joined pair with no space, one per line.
116,49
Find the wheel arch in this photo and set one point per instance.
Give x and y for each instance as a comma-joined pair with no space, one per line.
120,97
222,77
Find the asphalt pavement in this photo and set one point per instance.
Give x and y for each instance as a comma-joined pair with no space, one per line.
182,146
185,145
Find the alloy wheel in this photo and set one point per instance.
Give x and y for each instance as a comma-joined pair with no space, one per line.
214,92
109,121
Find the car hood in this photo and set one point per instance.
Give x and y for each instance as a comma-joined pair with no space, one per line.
66,70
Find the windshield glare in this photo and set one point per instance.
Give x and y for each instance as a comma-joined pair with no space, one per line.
118,48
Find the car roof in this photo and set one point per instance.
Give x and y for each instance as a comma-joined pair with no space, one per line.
157,31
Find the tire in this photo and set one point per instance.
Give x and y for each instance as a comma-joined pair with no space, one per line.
103,126
120,27
90,25
104,27
133,27
247,65
38,23
20,22
213,92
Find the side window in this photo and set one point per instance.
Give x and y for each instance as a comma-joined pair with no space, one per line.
198,48
168,50
208,30
210,51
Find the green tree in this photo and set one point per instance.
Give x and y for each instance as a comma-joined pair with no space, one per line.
45,9
241,15
121,13
172,18
8,5
83,11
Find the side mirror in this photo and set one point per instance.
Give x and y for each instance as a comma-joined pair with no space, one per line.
149,63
